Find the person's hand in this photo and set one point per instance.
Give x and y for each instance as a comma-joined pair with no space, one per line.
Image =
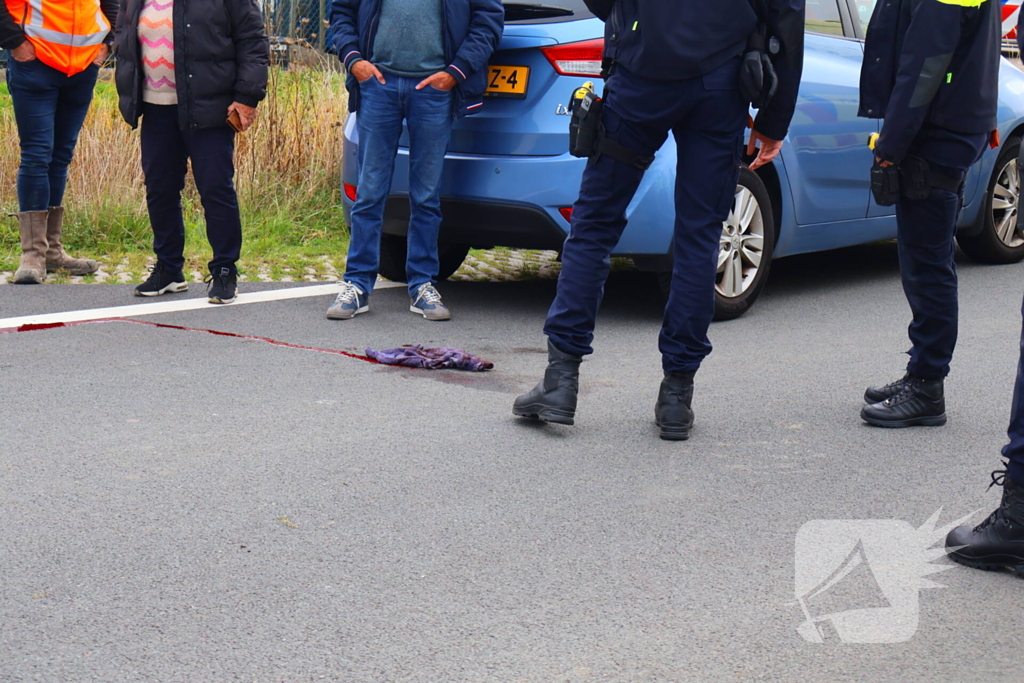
102,56
245,113
363,70
769,149
882,163
442,80
26,52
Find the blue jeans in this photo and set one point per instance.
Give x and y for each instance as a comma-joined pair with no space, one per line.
49,108
707,117
166,151
428,114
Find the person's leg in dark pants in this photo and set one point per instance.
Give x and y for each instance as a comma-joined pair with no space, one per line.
73,100
35,91
212,152
998,542
926,246
164,164
598,220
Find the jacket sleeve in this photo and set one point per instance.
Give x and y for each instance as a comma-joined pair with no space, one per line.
109,9
1020,32
786,20
487,18
602,9
928,46
11,34
252,52
345,31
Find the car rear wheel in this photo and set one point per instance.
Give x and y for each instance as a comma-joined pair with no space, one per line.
394,248
1000,239
745,250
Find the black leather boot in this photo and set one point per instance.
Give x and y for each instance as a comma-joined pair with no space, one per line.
672,413
554,399
998,542
918,403
879,394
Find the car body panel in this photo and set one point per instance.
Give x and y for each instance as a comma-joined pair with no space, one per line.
514,154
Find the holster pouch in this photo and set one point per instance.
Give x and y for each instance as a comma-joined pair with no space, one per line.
758,79
885,184
585,125
914,179
918,180
587,138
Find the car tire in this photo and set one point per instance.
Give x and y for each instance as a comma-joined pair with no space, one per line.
1000,241
394,250
746,249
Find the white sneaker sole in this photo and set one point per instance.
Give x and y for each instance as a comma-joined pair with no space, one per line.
413,309
172,288
364,309
214,300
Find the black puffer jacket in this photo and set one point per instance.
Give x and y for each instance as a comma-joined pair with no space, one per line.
221,52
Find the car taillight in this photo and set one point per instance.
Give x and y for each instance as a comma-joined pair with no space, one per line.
576,59
350,191
566,213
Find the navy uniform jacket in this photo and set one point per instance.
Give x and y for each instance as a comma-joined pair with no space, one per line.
472,32
934,62
683,39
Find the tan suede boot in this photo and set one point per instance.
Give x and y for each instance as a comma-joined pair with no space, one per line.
56,258
32,268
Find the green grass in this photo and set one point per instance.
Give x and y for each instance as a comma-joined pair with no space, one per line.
287,178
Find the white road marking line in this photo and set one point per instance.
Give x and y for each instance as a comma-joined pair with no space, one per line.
173,306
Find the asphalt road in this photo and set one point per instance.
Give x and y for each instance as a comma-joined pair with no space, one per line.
179,506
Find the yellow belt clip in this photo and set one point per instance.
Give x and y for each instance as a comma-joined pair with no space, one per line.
872,141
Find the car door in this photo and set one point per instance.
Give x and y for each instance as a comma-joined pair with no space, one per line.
828,159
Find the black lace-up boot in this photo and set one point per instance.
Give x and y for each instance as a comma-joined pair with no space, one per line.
998,542
672,413
554,399
879,394
919,402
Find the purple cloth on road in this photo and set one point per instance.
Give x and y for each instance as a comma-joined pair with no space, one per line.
430,359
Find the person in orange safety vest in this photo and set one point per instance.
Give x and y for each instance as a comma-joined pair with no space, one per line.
55,50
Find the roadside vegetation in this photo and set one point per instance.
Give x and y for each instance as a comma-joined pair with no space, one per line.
288,176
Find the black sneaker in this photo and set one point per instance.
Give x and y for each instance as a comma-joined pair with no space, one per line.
162,281
998,542
919,403
222,286
879,394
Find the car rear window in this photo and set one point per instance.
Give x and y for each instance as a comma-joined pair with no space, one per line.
517,11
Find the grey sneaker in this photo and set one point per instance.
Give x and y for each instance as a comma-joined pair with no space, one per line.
351,302
427,302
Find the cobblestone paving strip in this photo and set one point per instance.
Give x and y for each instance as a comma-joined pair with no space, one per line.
495,265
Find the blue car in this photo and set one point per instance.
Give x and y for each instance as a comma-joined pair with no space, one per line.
510,181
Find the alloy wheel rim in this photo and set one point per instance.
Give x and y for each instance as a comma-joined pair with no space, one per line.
1005,201
741,248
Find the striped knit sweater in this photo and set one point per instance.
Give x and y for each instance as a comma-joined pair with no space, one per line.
156,38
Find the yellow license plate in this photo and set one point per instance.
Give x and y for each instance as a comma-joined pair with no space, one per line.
507,81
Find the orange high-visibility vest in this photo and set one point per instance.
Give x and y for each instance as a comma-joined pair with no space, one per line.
67,34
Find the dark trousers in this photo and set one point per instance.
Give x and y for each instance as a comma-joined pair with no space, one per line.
49,108
707,117
166,151
926,246
1014,451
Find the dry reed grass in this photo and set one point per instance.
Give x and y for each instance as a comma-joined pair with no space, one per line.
287,176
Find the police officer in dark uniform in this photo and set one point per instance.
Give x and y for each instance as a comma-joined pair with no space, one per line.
998,542
931,71
673,66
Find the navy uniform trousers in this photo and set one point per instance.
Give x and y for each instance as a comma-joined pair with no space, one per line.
707,116
1014,451
926,246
